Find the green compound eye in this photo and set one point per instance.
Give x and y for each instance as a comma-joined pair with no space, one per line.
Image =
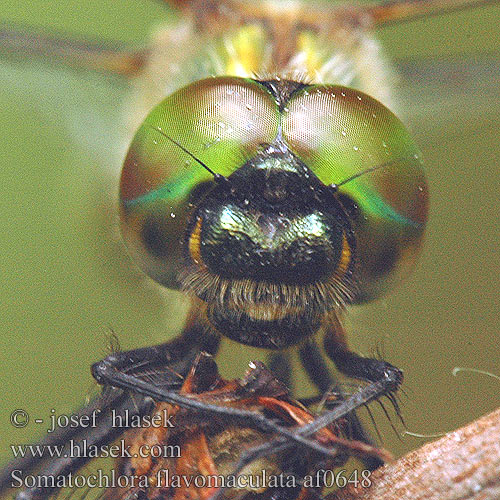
220,121
343,134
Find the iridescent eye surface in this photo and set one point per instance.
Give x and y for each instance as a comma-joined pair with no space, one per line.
342,136
220,121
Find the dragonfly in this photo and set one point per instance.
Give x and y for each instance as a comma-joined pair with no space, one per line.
484,117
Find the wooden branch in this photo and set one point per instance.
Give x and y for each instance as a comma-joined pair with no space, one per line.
463,465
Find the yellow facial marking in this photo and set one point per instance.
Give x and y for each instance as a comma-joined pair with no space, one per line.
195,242
345,258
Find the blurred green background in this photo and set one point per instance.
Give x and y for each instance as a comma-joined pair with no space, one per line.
66,280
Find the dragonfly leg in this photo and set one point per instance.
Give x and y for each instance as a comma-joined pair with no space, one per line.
387,376
109,373
388,383
385,379
177,354
317,370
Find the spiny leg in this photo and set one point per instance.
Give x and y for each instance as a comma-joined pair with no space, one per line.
106,373
123,370
355,366
316,368
177,354
353,402
382,375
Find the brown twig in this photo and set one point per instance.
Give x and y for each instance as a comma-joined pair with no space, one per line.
463,465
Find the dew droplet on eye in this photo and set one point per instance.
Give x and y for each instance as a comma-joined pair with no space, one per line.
356,148
342,94
155,142
172,215
248,106
384,144
344,133
215,140
359,97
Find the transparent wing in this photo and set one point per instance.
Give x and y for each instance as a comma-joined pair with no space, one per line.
23,43
391,12
449,98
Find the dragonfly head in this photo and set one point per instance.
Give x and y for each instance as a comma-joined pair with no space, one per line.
273,203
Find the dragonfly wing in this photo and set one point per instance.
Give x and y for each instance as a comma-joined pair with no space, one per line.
119,59
392,12
451,97
85,103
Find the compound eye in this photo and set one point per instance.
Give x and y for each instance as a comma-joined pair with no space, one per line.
341,133
349,139
219,121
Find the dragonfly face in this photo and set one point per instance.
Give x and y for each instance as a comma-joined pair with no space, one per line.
51,292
